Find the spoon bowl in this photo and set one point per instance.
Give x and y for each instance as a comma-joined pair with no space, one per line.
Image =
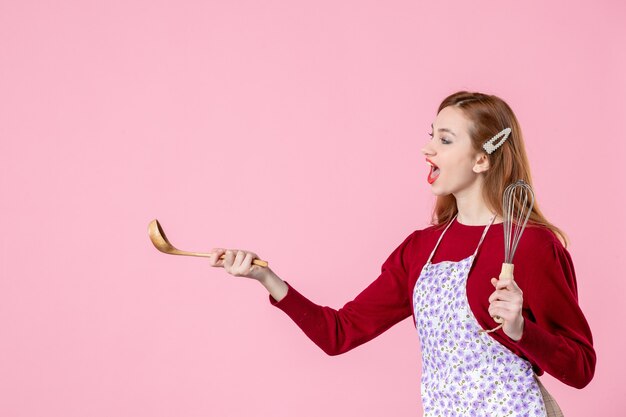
160,241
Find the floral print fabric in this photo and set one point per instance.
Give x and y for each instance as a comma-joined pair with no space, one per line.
464,372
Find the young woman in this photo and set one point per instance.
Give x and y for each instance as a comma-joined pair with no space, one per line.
443,276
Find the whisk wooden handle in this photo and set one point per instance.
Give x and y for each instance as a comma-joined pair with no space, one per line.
506,271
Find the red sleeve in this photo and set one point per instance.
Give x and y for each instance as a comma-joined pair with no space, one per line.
378,307
557,337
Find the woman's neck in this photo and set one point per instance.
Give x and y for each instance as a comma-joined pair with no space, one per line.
473,210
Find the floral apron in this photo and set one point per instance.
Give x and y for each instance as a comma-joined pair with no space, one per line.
466,372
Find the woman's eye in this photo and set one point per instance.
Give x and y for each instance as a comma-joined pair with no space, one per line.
443,140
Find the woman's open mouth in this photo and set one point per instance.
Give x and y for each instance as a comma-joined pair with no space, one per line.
434,171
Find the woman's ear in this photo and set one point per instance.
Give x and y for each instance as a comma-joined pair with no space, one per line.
481,164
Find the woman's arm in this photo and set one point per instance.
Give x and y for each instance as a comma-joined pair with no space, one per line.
556,335
381,305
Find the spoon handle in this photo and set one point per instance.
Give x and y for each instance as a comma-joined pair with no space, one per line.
207,255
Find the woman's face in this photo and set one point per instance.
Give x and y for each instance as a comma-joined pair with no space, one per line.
454,165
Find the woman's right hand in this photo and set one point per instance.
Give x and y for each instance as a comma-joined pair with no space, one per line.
238,262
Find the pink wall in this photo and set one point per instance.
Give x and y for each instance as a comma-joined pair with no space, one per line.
292,130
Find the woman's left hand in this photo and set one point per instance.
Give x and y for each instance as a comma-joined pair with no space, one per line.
506,302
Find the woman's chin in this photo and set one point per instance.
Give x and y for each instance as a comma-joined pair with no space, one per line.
438,192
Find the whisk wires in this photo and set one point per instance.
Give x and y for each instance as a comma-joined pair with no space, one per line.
517,204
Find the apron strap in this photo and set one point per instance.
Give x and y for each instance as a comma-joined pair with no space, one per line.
440,237
483,236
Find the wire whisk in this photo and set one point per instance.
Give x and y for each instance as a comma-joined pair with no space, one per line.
517,205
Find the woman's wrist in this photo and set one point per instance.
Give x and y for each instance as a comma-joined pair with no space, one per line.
518,330
274,285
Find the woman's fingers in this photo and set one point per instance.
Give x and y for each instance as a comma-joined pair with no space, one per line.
246,264
503,283
236,262
502,295
507,303
214,259
229,259
239,256
507,300
505,287
505,295
503,309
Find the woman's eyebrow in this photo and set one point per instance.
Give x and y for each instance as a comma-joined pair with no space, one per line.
443,129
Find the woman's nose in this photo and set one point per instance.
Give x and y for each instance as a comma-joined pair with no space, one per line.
428,150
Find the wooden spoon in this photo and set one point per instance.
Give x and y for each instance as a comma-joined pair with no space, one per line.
158,238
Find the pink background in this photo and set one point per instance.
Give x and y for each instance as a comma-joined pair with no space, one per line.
291,129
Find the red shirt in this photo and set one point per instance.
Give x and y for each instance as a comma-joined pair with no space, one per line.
556,339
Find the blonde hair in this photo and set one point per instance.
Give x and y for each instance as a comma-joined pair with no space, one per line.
488,115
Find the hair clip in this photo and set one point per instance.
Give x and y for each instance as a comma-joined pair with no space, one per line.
489,146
